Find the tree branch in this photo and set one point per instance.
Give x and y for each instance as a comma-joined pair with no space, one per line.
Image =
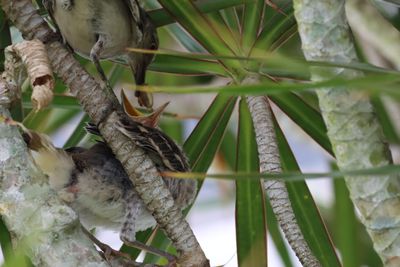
32,212
269,158
104,110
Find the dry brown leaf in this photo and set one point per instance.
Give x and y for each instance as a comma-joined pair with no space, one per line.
30,58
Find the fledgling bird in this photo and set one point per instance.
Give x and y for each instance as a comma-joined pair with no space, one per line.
104,29
93,182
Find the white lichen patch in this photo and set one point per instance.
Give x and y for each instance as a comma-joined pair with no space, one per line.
4,153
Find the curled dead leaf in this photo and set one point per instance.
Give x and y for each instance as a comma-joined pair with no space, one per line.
41,96
29,58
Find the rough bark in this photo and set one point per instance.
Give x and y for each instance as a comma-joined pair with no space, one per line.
353,128
276,190
35,217
104,110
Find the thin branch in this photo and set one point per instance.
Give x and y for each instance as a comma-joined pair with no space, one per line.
276,190
104,110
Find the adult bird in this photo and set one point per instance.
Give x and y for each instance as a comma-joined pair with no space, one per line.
94,183
104,29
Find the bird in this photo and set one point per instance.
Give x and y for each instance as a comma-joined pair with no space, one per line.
104,29
94,183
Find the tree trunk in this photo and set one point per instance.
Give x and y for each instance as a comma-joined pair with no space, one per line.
353,128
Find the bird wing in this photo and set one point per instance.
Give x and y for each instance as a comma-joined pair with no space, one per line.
162,149
49,6
134,7
156,143
137,17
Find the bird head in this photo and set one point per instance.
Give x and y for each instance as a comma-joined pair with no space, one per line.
56,163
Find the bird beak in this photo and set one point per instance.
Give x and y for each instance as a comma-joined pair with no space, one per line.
144,99
140,73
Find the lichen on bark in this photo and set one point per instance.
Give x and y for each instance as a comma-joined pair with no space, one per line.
353,127
35,217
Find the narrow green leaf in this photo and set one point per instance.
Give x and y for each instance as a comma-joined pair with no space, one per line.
19,260
200,27
388,128
185,39
205,139
186,66
160,17
306,212
279,26
78,134
274,29
287,175
37,120
311,98
5,242
142,236
115,74
232,20
252,16
350,235
193,20
59,101
178,33
232,39
59,118
309,119
250,211
387,83
345,225
160,240
17,110
228,145
276,62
